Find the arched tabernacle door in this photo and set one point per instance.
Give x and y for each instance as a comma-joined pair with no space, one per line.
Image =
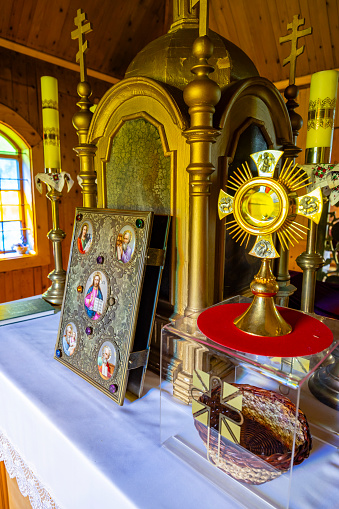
141,162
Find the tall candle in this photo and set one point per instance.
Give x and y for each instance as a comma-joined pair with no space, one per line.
321,112
50,122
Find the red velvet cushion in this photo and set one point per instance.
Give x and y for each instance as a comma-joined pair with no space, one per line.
308,336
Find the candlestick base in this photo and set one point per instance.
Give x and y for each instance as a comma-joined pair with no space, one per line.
324,383
55,293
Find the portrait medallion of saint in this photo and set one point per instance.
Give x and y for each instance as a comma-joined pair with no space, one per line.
125,244
85,237
106,360
69,339
96,295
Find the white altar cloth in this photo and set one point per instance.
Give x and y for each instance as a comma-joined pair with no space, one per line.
88,452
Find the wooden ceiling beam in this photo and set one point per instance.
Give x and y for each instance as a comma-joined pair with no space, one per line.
24,50
300,81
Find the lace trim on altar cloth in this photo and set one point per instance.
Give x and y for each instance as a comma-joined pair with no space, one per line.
28,483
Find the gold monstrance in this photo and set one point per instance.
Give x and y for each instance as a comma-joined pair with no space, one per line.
263,206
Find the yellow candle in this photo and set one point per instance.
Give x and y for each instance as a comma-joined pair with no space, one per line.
320,123
50,122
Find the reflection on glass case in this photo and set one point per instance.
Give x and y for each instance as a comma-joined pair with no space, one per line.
257,433
111,291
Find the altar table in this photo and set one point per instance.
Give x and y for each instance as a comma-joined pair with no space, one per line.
74,443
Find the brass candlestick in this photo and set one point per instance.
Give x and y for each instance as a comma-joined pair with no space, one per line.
54,179
55,292
55,182
320,125
324,383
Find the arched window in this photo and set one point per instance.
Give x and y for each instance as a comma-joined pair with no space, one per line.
16,200
24,216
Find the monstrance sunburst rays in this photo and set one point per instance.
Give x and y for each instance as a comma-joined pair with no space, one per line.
264,205
261,207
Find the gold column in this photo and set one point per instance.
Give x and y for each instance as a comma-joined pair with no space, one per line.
52,159
291,151
201,95
82,119
85,151
320,125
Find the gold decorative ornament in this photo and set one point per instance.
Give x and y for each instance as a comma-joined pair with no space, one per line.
82,119
293,37
203,15
201,95
169,58
321,112
263,206
83,28
291,93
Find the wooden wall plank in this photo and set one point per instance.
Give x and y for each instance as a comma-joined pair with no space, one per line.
260,17
45,282
333,17
319,6
58,12
123,27
33,98
20,91
227,28
3,287
10,291
23,17
38,22
23,283
6,82
279,27
37,279
4,502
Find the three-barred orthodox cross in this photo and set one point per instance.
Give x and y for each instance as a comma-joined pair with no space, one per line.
84,27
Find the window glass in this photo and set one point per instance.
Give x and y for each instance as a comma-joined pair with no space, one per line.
9,171
6,146
16,204
10,234
9,198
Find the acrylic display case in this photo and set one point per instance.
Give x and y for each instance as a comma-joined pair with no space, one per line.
253,429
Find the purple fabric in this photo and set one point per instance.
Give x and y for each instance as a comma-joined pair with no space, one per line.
326,301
